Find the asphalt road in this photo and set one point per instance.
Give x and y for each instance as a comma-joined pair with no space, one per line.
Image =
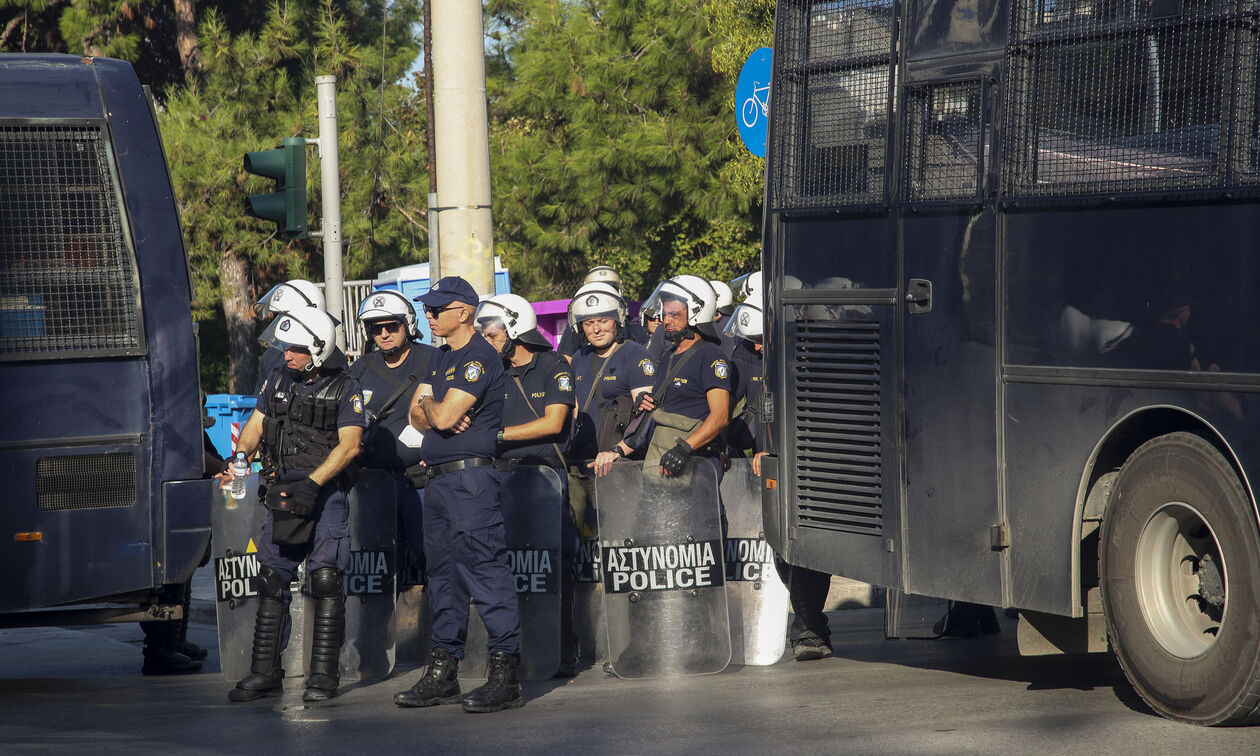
79,690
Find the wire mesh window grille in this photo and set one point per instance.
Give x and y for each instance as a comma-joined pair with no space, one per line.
945,142
86,481
1116,95
831,102
67,275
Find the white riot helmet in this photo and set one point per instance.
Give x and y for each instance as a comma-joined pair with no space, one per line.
386,304
697,296
303,327
748,321
747,285
515,315
597,300
725,300
603,274
290,295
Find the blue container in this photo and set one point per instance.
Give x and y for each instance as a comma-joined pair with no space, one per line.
225,409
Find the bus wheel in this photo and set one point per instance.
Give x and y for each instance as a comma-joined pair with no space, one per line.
1179,567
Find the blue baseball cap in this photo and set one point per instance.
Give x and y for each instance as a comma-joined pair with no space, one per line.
448,289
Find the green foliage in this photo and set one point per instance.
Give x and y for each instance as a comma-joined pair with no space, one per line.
611,130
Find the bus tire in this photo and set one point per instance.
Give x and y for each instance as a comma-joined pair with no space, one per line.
1179,571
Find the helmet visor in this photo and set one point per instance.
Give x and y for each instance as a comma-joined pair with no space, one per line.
746,322
285,332
282,298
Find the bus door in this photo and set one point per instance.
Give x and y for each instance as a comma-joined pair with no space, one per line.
946,234
841,428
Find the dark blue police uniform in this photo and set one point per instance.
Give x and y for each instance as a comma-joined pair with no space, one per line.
627,368
689,379
330,545
746,430
545,380
464,541
383,450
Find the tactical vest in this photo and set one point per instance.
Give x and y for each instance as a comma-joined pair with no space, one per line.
300,431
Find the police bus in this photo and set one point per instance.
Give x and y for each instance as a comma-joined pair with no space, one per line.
101,431
1012,355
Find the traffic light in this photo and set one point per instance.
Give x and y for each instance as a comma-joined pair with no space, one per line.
286,165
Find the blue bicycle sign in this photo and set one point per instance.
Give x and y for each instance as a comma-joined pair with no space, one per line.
752,101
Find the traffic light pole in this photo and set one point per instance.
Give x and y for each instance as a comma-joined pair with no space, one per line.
330,197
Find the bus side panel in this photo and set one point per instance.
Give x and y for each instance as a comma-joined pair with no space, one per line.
162,266
88,421
951,494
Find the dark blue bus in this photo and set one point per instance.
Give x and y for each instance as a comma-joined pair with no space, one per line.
1013,253
101,429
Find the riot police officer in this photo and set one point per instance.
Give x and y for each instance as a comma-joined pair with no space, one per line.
289,295
690,406
459,407
389,376
691,398
537,422
308,424
606,279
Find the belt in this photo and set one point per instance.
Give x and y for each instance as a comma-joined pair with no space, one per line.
508,465
457,465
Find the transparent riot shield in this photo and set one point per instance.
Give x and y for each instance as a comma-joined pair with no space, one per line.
665,601
909,616
757,598
368,650
530,499
234,526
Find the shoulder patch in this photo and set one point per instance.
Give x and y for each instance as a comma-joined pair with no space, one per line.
720,369
473,371
647,366
367,396
358,404
564,382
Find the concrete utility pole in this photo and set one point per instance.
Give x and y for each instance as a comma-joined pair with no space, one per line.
330,196
462,141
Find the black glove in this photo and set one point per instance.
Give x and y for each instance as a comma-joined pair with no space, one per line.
299,498
675,460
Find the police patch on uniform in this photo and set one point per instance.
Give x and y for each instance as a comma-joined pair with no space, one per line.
648,367
472,371
367,396
720,368
564,382
358,404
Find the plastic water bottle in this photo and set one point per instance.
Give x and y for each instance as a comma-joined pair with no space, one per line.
240,471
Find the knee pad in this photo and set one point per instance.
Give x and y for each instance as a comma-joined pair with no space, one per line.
326,582
268,583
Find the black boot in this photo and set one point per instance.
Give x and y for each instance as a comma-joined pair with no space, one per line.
438,685
570,644
502,689
330,631
187,647
161,650
265,678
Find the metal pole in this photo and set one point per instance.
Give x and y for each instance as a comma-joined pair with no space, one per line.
464,230
330,196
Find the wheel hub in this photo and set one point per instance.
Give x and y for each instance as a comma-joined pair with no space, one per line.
1181,580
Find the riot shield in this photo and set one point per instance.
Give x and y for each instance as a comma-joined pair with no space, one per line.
368,650
530,499
757,597
234,525
909,616
664,588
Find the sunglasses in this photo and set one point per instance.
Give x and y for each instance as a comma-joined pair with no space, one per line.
433,312
390,327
